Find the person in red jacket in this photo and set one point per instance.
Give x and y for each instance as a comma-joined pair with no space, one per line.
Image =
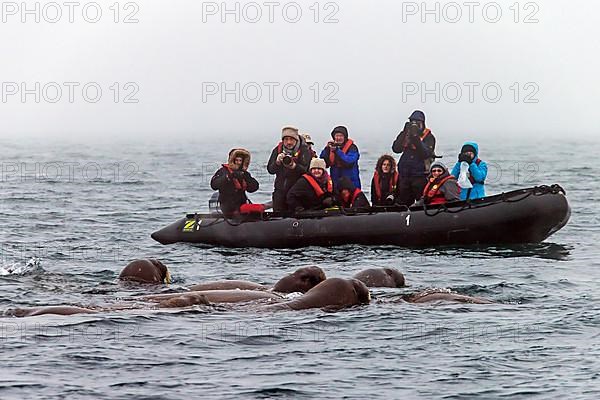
384,185
233,180
441,186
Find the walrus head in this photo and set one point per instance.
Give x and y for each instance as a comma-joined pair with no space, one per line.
146,271
396,276
362,292
301,281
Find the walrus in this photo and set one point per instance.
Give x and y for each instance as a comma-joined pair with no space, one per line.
228,285
184,300
331,294
146,271
180,300
381,277
219,296
429,297
302,280
55,310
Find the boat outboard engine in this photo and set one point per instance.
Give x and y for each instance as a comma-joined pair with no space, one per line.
213,204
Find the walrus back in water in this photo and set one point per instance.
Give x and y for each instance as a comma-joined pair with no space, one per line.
220,296
331,294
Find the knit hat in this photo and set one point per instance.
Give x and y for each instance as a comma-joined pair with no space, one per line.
318,163
290,131
307,138
345,183
340,129
468,147
439,164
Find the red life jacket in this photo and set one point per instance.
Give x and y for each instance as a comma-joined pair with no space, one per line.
252,209
316,187
239,185
392,185
471,179
432,193
425,133
355,195
344,149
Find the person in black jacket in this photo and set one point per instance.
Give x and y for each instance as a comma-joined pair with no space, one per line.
349,196
233,180
384,185
288,162
313,191
416,143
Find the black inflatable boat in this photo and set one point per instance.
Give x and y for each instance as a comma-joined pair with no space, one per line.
522,216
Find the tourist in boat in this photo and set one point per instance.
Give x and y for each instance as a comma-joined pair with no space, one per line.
349,196
384,185
341,156
441,186
416,143
309,143
288,162
233,180
477,171
314,191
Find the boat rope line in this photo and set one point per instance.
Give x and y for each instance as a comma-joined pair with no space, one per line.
509,197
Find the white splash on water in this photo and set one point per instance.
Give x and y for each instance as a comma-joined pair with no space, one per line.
20,269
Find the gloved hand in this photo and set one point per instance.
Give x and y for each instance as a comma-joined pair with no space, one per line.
239,174
279,160
328,202
462,157
390,199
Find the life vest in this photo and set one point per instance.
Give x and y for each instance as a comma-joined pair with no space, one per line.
316,187
355,195
425,133
294,155
252,209
432,193
236,182
471,179
392,185
344,149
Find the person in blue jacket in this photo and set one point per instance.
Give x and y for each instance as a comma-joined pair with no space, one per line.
477,171
341,155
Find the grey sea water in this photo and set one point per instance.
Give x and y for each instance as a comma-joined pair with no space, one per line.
72,215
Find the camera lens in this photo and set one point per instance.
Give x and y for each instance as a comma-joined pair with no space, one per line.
287,160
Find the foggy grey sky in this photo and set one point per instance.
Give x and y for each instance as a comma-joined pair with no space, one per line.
370,54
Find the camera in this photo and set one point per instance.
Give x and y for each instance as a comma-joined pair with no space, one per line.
413,129
287,160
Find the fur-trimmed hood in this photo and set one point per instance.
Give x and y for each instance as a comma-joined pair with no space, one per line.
245,154
382,159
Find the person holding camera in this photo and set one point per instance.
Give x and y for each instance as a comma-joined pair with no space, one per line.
233,180
416,143
288,162
341,155
314,191
384,185
477,171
